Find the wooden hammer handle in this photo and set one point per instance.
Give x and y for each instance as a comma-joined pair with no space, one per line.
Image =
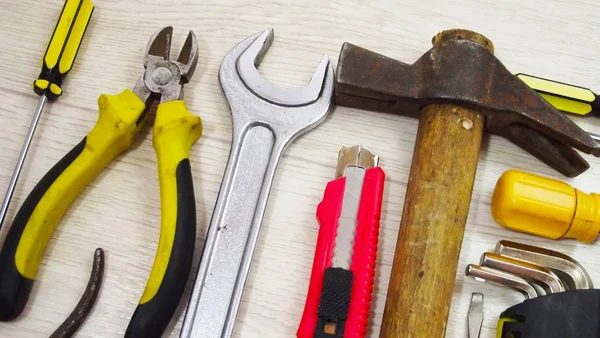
435,213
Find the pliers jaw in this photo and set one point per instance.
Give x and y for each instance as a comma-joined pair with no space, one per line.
163,77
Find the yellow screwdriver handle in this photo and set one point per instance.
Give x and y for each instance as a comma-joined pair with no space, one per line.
43,209
545,207
564,97
63,47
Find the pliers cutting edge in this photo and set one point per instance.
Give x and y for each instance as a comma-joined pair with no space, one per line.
120,118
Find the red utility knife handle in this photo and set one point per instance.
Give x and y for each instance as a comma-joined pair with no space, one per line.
328,215
364,255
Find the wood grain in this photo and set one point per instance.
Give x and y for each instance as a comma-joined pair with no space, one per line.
120,210
436,207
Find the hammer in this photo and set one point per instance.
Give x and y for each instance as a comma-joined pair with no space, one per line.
457,89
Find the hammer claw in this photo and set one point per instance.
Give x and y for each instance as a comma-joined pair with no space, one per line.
556,154
464,73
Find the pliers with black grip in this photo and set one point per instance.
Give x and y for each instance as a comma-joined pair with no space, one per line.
120,119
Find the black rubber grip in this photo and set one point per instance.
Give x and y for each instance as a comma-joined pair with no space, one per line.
15,288
152,318
335,302
568,314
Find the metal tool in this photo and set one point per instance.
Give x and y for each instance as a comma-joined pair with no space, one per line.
265,120
120,118
502,278
528,271
515,263
545,207
88,299
342,277
457,89
562,312
372,81
475,316
57,62
573,275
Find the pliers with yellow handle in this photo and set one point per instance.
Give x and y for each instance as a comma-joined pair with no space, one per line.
120,119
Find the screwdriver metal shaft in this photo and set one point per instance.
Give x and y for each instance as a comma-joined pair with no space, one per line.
15,176
57,62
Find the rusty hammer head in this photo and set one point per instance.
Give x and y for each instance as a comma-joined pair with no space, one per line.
461,69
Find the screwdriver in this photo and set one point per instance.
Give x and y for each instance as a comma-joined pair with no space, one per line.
57,62
545,207
565,97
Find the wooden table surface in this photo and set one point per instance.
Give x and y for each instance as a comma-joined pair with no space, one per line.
120,209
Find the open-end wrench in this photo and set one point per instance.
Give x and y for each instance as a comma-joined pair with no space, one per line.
265,120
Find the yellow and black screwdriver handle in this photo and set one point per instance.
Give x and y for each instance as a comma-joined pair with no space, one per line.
63,47
119,120
564,97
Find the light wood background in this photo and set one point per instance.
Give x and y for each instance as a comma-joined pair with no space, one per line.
120,210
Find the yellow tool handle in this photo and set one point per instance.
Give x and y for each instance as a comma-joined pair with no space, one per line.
500,326
63,47
175,131
39,215
564,97
545,207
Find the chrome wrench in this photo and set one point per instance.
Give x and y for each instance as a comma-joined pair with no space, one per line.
266,119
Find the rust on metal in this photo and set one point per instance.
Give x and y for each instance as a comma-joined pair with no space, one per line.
467,74
86,303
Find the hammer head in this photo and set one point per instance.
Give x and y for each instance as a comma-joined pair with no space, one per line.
465,73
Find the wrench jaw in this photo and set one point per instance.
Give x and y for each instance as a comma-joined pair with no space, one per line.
294,111
258,49
250,59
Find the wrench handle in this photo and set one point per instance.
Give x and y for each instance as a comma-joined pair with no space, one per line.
233,232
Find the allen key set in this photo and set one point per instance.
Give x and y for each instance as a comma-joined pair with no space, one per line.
554,286
530,270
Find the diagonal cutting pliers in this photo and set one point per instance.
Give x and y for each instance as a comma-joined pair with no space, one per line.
120,118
